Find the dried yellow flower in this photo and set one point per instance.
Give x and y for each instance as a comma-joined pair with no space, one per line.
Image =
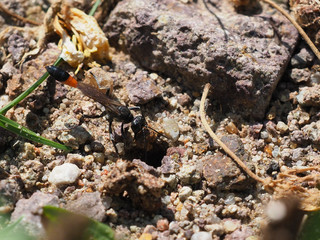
82,40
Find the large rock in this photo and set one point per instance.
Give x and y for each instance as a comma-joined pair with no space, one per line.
243,56
31,209
88,204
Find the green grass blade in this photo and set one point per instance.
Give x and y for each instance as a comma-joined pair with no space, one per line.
28,91
15,231
311,227
16,128
94,7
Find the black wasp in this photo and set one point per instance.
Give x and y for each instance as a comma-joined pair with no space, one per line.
114,108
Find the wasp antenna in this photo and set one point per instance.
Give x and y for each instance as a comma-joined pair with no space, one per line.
156,131
94,76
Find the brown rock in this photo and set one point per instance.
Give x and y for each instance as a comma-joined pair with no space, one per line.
88,204
142,89
143,188
309,96
14,85
31,210
240,55
222,172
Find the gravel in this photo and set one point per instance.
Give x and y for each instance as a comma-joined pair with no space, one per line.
187,187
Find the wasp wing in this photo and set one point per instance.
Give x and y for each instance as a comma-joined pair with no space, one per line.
110,104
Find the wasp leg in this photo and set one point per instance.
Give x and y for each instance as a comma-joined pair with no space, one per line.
123,133
112,137
145,144
134,108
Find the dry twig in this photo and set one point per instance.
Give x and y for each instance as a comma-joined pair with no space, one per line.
297,26
221,144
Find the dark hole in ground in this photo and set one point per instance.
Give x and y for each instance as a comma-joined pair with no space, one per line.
153,156
148,147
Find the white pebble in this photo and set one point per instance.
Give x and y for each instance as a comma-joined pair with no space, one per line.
173,102
4,100
66,173
201,236
171,128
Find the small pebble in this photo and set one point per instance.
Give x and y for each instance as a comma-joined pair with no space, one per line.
216,229
201,236
66,173
165,200
174,227
120,148
145,236
97,147
231,225
163,225
173,102
87,148
133,228
309,96
4,100
264,134
198,194
171,128
282,127
154,76
183,99
184,193
76,159
299,75
230,199
302,59
315,78
98,157
189,174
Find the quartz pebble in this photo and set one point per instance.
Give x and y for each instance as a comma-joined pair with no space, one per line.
171,128
66,173
201,236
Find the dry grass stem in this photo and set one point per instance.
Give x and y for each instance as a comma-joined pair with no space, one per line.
221,144
297,26
287,182
12,14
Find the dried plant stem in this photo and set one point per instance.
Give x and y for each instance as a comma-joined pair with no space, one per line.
297,26
221,144
12,14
